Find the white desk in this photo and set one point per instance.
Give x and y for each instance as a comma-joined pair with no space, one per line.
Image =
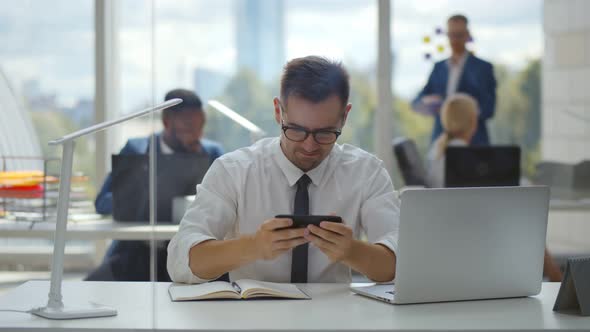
98,231
106,229
333,308
88,230
568,228
575,205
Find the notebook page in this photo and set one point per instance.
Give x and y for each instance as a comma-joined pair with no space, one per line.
249,286
183,292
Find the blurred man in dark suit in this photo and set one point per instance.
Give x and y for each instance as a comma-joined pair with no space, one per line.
183,131
465,73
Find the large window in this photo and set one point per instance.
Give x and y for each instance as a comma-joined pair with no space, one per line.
46,91
419,41
47,62
233,51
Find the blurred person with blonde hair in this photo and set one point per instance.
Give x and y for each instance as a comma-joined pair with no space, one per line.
459,121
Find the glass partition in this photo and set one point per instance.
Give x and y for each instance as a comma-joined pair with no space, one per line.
133,183
46,90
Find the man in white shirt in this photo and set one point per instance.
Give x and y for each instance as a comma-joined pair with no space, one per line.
230,227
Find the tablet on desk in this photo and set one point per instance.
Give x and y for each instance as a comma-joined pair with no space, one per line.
300,221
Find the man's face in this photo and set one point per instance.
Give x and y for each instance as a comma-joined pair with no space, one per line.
326,116
458,35
184,130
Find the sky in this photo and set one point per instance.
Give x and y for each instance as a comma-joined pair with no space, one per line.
53,41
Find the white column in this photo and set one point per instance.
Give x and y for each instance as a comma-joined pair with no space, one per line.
566,111
565,71
383,120
106,89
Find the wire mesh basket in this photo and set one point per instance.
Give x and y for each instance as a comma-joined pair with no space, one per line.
31,194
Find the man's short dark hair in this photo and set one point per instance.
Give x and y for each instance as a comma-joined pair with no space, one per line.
460,18
315,79
190,102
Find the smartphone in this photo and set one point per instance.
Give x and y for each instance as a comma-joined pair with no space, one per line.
302,221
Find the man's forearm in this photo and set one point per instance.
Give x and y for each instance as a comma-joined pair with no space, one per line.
375,261
211,259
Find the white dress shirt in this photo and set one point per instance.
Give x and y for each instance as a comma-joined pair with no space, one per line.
436,165
244,188
455,72
164,148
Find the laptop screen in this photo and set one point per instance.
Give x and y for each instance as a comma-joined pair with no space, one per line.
176,174
487,166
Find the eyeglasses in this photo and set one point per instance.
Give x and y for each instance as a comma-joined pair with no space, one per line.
300,134
321,136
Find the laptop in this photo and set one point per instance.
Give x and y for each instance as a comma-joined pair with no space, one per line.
467,244
177,175
482,166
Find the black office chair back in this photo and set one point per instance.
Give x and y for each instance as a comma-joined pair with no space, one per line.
409,161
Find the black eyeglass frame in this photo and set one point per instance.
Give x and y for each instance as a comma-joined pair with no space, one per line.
314,133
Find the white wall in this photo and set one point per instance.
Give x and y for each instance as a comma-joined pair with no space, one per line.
566,81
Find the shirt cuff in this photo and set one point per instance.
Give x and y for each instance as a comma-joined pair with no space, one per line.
178,258
388,241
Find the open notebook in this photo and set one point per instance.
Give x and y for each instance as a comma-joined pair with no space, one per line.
240,289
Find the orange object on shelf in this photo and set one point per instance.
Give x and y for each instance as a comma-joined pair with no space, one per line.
25,178
19,174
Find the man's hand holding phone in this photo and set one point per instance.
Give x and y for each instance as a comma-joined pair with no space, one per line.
328,233
335,240
275,237
285,232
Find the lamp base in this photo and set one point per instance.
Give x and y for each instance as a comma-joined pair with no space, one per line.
81,311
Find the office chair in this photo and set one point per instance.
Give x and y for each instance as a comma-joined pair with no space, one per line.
409,161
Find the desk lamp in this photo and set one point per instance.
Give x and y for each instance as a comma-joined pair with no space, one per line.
55,308
255,131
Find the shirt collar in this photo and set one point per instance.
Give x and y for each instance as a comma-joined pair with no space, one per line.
457,142
461,61
165,148
292,172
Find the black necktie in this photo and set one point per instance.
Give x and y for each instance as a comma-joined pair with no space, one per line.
299,262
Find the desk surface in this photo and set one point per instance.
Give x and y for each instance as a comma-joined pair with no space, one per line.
88,230
333,307
109,229
570,205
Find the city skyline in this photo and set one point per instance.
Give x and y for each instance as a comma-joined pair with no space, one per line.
260,24
64,65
